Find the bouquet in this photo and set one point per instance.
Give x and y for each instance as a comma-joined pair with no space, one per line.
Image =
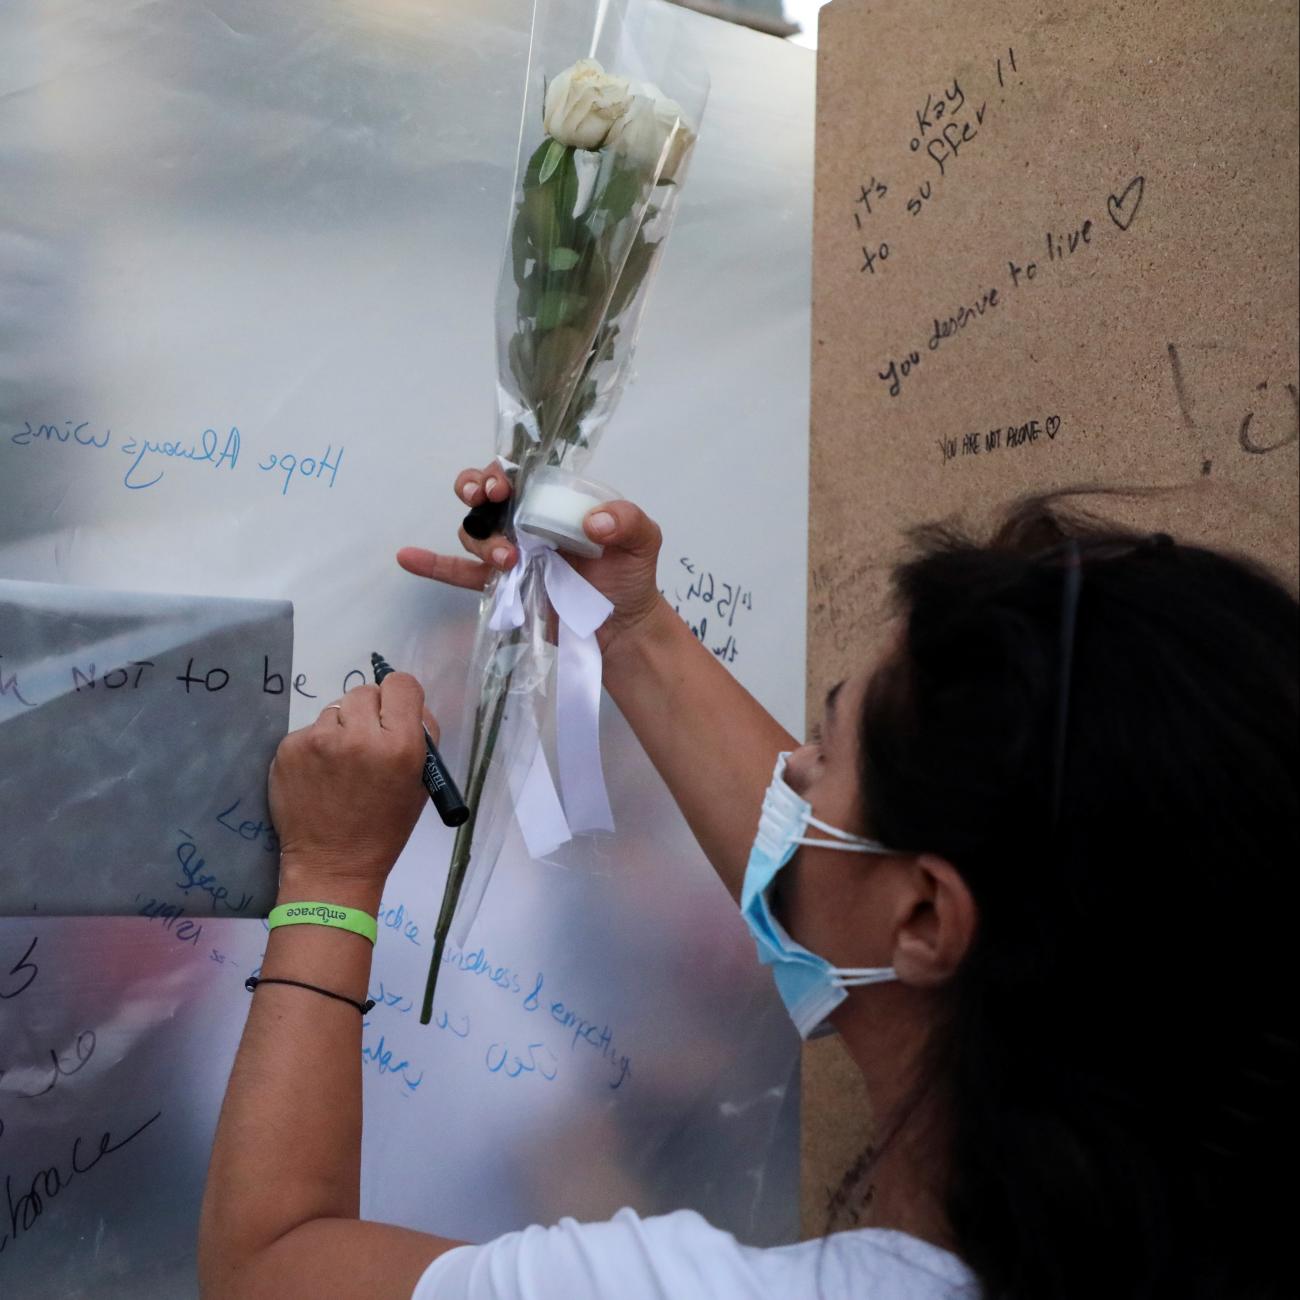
602,158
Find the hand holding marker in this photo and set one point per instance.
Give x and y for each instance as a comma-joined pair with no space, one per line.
437,780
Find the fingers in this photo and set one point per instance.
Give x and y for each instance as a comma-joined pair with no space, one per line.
397,706
454,570
330,716
485,490
615,523
474,486
435,731
360,706
469,486
621,524
495,551
401,702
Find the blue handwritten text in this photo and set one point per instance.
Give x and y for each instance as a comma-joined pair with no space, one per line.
308,467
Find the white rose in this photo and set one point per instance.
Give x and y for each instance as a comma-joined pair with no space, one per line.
582,103
646,127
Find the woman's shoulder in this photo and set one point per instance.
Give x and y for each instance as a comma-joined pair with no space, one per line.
679,1255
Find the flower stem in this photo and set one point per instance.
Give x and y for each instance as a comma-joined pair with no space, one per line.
544,225
464,842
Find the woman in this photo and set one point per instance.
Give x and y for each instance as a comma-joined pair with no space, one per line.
1057,945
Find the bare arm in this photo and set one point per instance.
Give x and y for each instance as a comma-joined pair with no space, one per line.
708,737
281,1207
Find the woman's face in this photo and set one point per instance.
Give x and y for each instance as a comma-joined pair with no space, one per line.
825,897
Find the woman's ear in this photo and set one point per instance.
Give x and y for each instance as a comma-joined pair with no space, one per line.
936,923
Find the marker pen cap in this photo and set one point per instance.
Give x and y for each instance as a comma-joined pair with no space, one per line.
554,505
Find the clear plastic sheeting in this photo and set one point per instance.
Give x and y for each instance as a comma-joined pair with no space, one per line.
124,720
587,231
248,260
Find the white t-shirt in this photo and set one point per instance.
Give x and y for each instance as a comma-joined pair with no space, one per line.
681,1257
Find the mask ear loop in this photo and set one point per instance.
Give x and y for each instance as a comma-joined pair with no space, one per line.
857,977
845,841
850,843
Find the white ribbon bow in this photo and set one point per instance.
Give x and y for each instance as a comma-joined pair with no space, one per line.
581,609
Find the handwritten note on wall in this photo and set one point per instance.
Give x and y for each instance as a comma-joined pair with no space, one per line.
135,735
84,446
1051,251
715,606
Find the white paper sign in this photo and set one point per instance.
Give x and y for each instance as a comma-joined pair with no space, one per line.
135,735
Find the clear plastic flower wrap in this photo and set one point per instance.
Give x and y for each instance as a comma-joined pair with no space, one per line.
604,147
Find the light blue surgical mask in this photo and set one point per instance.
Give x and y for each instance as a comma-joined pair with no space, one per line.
810,986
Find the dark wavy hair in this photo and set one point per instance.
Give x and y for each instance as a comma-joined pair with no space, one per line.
1099,730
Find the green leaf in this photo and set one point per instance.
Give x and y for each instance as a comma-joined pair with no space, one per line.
534,168
562,259
548,209
620,194
523,364
554,154
545,362
640,259
560,355
531,288
558,308
520,250
591,274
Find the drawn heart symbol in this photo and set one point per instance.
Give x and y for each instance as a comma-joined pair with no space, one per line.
1115,206
1053,425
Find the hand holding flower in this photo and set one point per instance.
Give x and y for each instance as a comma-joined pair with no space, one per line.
626,575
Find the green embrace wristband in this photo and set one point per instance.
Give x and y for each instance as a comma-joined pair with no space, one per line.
327,914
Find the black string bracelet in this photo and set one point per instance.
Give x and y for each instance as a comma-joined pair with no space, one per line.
364,1007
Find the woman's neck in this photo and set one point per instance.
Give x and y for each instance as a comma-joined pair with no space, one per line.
906,1181
908,1172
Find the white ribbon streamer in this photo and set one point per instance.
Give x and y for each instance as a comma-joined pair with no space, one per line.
537,807
581,609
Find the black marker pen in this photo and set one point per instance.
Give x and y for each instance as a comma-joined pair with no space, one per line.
437,780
